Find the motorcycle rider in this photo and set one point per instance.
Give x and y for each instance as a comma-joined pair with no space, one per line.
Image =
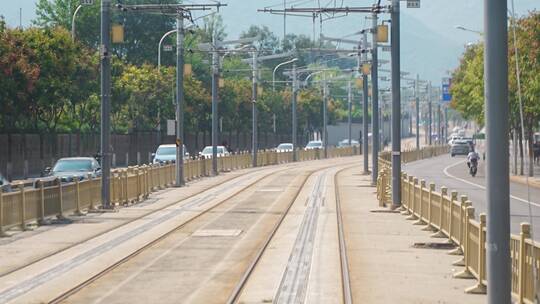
472,156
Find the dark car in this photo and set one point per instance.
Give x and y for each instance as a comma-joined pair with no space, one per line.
5,185
71,168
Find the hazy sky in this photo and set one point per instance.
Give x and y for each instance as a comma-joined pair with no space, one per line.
431,44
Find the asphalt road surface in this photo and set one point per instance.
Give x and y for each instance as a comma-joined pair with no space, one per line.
453,173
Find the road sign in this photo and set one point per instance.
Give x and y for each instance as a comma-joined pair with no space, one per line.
413,3
168,48
171,127
446,95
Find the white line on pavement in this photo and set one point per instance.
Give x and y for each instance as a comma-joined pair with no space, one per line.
480,186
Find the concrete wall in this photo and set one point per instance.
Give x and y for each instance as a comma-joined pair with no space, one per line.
26,155
340,131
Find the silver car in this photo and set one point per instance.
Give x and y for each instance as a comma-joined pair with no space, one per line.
284,147
167,153
460,147
71,168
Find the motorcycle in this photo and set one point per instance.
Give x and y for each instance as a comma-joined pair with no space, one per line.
473,168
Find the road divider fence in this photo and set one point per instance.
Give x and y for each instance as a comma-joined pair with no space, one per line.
49,199
452,217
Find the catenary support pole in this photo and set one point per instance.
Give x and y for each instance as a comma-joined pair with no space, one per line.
215,84
294,126
365,108
254,144
439,124
497,162
374,104
325,116
180,101
417,109
105,103
396,106
430,115
349,103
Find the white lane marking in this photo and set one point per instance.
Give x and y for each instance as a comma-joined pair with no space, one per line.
480,186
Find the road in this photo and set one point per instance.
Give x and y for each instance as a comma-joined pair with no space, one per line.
452,172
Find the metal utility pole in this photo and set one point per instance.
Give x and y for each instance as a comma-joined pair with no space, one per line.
365,111
215,84
445,125
349,99
417,109
439,135
325,116
180,101
294,126
497,163
396,106
374,103
430,114
105,140
254,144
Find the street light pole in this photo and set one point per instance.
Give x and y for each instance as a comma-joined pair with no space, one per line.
365,116
374,103
396,106
159,45
497,163
180,101
294,126
105,141
254,144
215,84
73,21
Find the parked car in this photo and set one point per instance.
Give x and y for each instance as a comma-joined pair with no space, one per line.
284,147
5,186
314,145
70,168
207,152
345,143
460,147
166,153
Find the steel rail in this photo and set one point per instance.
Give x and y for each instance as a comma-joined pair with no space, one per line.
102,273
237,291
116,227
345,277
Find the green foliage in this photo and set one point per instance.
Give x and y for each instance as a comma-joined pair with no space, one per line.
50,83
468,79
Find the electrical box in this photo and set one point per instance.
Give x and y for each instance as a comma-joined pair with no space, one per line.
118,33
382,33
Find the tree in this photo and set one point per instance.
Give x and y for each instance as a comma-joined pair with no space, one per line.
18,76
468,85
142,30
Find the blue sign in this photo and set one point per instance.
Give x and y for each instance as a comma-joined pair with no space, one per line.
446,96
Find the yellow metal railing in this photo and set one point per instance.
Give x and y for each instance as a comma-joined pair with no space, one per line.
454,218
128,185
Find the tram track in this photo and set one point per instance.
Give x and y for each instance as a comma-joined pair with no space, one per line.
293,285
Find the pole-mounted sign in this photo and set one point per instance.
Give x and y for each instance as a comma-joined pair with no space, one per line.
446,95
413,3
